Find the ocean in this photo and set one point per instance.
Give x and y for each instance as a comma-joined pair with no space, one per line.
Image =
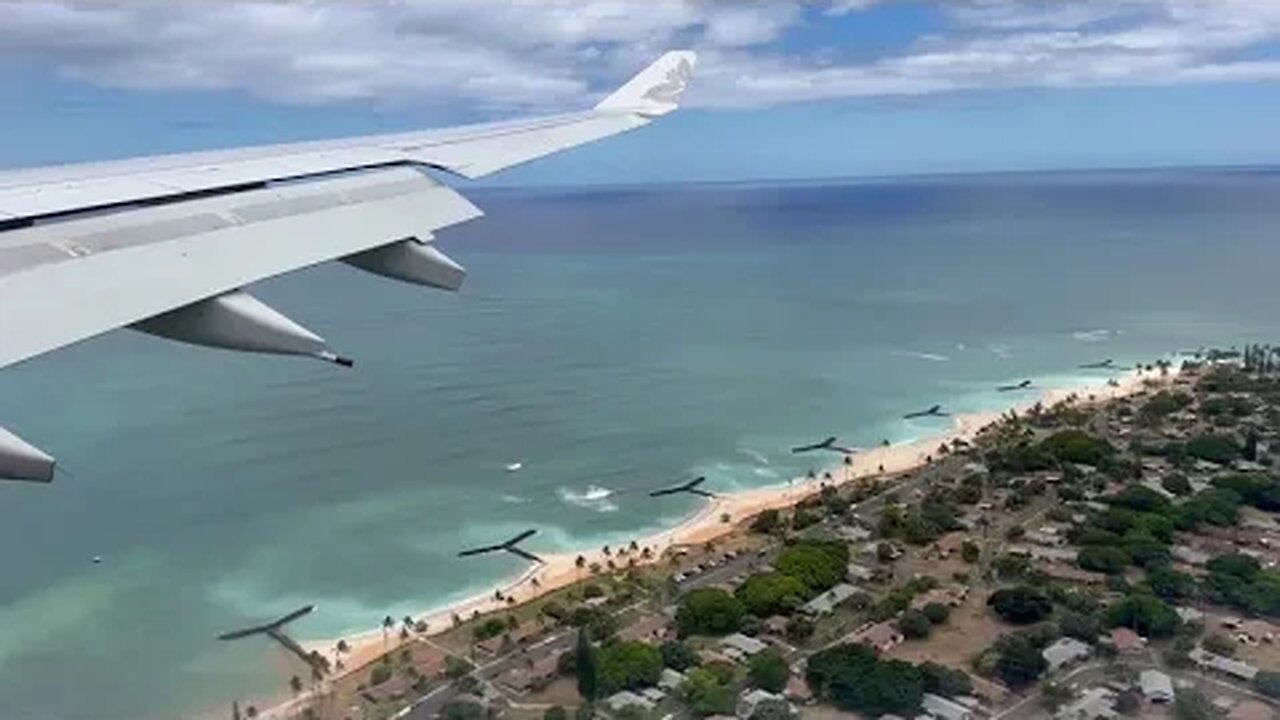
610,339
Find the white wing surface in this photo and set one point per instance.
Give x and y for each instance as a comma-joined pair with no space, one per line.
165,244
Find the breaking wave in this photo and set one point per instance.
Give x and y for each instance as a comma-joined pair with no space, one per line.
593,498
932,357
1091,336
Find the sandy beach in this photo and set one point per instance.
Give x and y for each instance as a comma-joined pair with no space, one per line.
706,524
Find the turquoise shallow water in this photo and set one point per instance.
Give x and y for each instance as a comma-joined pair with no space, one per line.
611,339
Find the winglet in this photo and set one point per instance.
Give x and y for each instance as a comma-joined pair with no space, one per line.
655,89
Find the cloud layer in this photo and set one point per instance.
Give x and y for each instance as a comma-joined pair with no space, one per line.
545,54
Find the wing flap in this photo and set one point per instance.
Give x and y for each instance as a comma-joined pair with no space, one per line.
142,272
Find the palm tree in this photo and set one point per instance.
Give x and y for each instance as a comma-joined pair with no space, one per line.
387,624
634,546
605,550
848,467
343,647
295,684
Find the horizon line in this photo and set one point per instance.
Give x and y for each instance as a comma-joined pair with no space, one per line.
887,177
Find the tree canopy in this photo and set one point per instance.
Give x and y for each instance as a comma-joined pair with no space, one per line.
627,665
772,593
853,678
709,611
1019,662
1145,614
1020,605
819,565
769,671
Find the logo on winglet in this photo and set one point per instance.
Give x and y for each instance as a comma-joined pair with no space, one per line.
674,83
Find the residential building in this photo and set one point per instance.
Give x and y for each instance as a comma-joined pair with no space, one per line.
1065,651
1189,614
1045,539
1227,666
1157,687
1095,703
738,646
860,572
826,603
1189,555
626,698
523,679
670,679
749,701
1127,641
951,596
944,709
883,636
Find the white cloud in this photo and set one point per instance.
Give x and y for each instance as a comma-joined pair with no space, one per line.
542,54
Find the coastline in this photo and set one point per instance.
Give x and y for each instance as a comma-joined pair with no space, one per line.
703,525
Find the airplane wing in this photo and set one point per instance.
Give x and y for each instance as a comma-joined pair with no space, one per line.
165,243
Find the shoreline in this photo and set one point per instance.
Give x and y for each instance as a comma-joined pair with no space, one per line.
705,524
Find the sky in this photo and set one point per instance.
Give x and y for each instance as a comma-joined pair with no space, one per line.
783,89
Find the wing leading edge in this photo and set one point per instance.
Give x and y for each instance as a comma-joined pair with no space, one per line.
166,244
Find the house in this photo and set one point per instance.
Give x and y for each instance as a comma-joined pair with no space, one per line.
951,596
1157,687
520,633
797,690
626,698
749,701
944,709
860,572
670,679
526,678
1039,537
1235,668
853,533
883,636
949,544
1072,574
650,628
1251,710
1065,651
738,646
1189,614
1127,641
1096,703
826,603
1189,555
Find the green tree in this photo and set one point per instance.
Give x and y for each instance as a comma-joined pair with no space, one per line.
709,611
381,673
970,552
627,665
914,624
1176,483
1103,558
1019,662
1020,605
937,613
1219,644
1214,448
799,629
771,593
1145,614
1128,703
819,565
942,680
1267,682
1077,446
1170,584
555,712
679,656
584,663
706,695
853,678
766,522
1054,695
1079,625
769,671
1191,704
